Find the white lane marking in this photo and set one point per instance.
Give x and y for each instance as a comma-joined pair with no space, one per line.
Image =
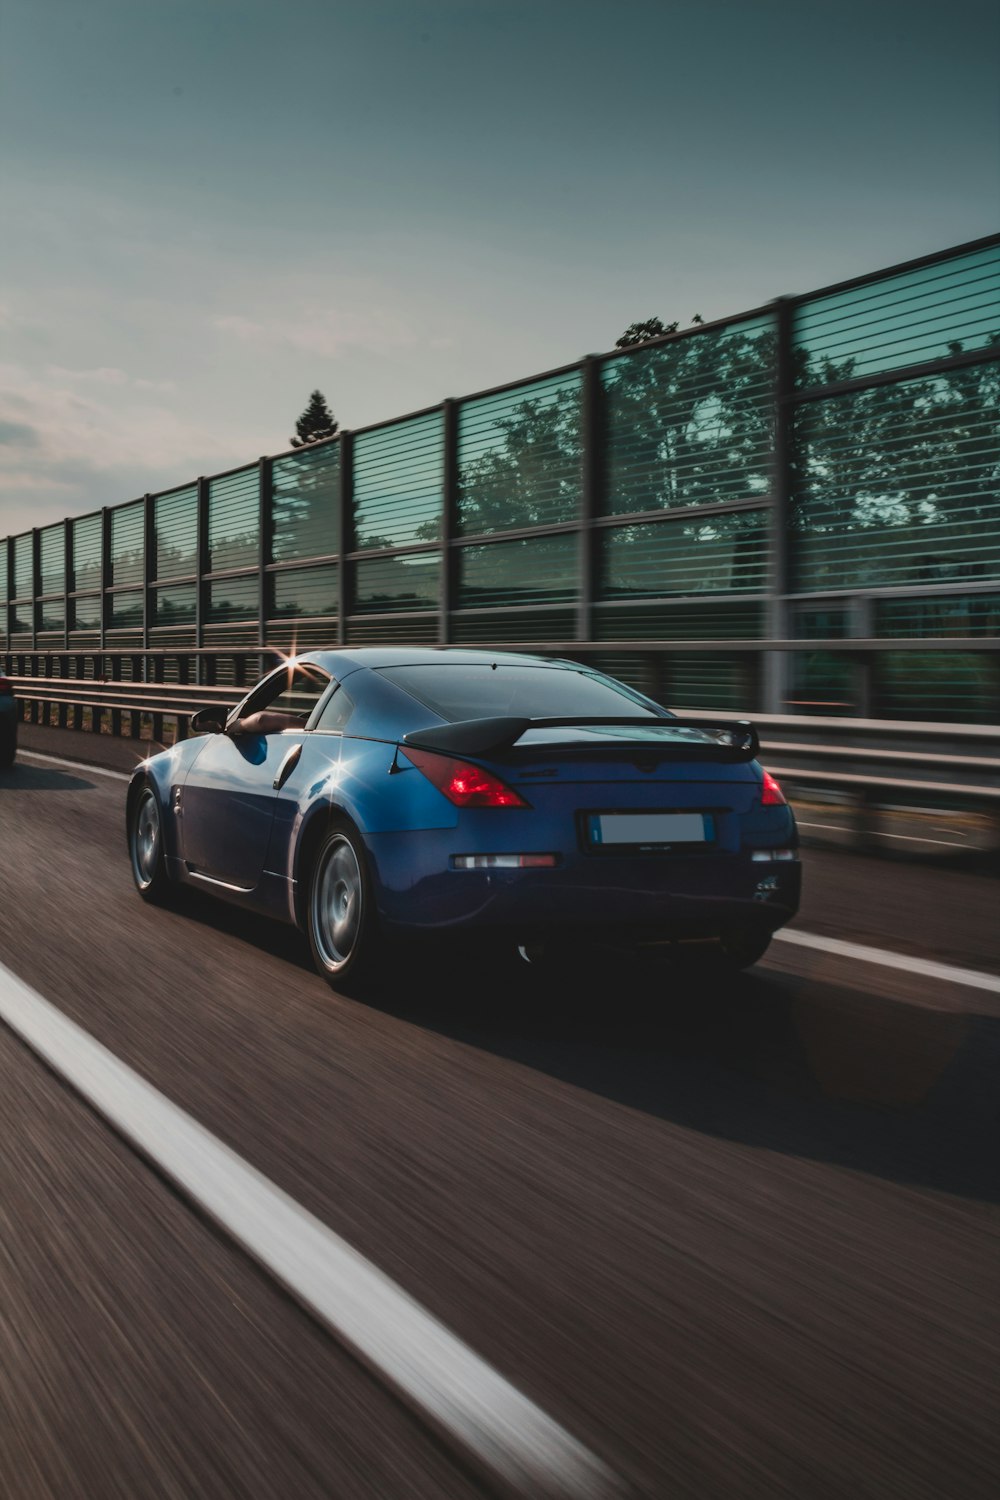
910,838
73,765
433,1369
926,967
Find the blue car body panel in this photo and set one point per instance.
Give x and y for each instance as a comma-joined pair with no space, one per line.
229,829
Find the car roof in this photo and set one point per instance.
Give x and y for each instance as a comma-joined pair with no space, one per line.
341,663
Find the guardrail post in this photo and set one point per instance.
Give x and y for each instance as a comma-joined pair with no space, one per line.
67,576
135,714
158,664
204,561
449,519
865,821
263,544
775,666
116,713
148,567
591,480
345,501
36,578
61,707
105,577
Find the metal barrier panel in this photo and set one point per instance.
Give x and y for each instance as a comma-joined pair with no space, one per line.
781,504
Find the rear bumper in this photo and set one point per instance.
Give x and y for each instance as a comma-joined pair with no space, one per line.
648,897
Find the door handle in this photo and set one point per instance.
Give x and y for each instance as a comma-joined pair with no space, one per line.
287,766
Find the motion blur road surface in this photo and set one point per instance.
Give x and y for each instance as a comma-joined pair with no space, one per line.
741,1243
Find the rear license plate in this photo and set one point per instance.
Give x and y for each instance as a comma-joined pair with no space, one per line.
648,830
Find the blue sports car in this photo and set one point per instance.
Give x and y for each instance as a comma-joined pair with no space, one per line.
390,794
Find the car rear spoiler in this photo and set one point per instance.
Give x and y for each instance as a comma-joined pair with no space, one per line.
736,739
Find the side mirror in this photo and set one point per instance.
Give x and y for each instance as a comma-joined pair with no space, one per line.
209,720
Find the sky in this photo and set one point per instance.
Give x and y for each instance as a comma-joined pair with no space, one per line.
211,207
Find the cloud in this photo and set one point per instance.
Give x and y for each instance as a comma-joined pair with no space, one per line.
104,375
326,334
108,375
103,445
19,434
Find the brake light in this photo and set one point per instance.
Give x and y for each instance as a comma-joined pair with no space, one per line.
463,784
772,795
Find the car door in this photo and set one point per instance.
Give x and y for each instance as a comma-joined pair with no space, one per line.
228,799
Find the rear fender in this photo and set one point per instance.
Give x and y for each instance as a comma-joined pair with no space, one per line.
375,789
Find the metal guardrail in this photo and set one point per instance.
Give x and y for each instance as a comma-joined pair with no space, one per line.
860,761
72,701
959,772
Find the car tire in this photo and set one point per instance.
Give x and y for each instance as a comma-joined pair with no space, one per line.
145,847
341,919
8,750
743,947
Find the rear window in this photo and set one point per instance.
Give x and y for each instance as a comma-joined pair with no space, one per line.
482,691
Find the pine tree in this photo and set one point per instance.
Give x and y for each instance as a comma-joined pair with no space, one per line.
316,422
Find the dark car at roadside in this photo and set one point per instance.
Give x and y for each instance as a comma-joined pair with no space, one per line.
8,722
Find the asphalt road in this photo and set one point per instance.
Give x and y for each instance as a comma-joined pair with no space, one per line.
740,1241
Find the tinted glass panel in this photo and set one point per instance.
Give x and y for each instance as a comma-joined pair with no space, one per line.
938,685
125,609
397,483
392,583
176,606
820,624
461,691
724,552
24,573
175,519
127,544
52,615
901,320
87,552
304,592
519,456
233,598
52,546
234,520
85,613
683,622
3,572
823,683
305,506
691,422
538,570
701,680
898,484
967,615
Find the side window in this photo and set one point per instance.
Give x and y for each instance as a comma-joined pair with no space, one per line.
337,712
294,693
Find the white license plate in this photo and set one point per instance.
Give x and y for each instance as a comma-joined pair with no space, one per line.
649,828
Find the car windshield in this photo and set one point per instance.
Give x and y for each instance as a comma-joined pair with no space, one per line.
484,691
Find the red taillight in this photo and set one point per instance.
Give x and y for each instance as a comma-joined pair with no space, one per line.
772,795
463,784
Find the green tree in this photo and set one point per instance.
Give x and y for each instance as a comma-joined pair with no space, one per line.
316,422
638,333
652,328
897,483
